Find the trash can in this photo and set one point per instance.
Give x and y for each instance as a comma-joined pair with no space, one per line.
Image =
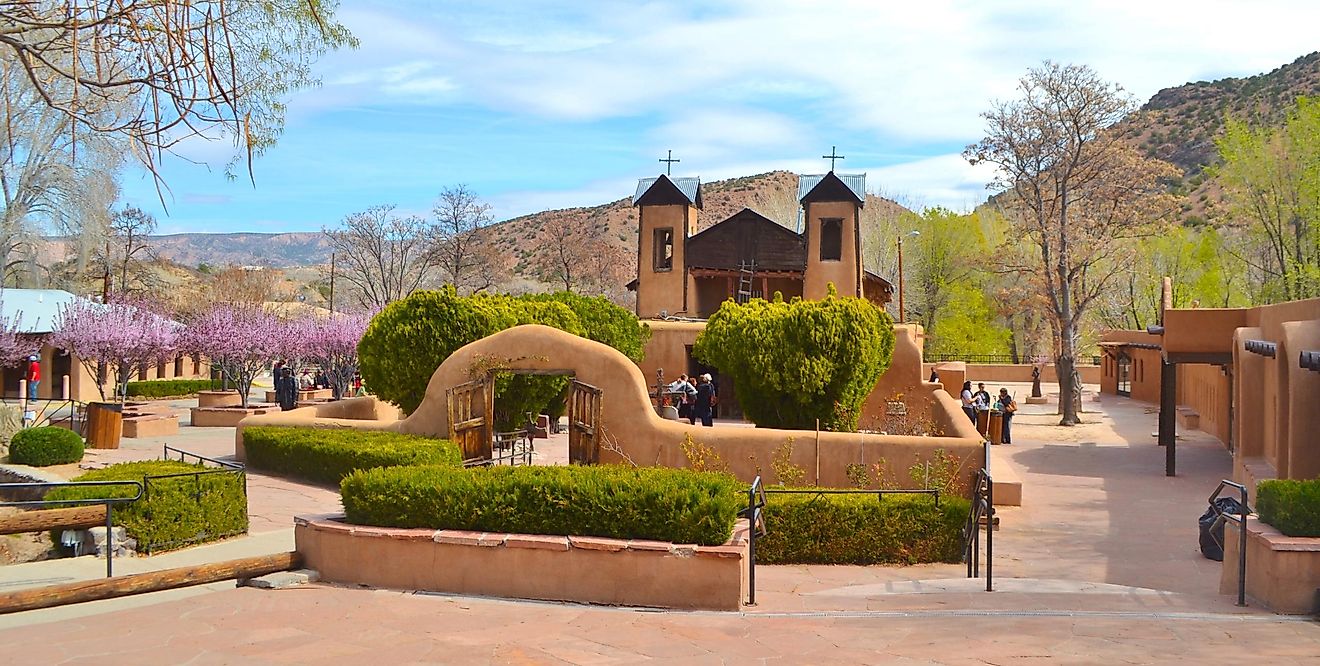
996,435
1212,535
983,421
105,424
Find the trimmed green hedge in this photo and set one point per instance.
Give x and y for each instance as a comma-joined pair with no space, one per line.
859,529
172,512
1291,506
326,456
45,446
169,388
677,505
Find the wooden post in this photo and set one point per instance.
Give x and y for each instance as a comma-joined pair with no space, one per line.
152,581
1168,430
51,519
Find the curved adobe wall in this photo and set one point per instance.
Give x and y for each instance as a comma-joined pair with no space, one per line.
628,419
630,422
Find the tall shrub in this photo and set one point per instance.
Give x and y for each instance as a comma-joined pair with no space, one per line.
796,362
410,338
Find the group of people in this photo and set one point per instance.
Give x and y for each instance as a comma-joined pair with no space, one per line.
981,400
695,402
287,385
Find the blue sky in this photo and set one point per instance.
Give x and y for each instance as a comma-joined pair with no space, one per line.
550,105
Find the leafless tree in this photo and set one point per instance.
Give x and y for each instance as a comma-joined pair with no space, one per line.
578,260
1074,189
127,250
460,215
383,256
173,70
50,184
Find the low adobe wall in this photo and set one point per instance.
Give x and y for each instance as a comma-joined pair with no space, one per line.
557,568
1283,572
364,413
633,432
150,425
219,399
1017,373
225,417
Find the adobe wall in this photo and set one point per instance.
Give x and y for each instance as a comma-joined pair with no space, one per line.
1283,572
1205,389
667,349
1017,372
557,568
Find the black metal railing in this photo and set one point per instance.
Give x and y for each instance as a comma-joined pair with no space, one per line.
754,513
51,411
220,469
1241,519
983,510
755,529
109,502
999,359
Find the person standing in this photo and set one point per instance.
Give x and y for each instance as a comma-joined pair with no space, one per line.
286,390
968,406
33,377
685,392
1008,407
704,401
981,398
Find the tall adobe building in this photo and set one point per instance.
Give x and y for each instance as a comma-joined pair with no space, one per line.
686,270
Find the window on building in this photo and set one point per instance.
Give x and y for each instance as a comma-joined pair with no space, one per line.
831,239
664,249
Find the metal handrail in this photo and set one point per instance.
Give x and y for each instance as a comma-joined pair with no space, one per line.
229,464
44,414
755,528
1241,520
983,507
109,503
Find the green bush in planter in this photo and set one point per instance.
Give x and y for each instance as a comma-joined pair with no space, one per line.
45,446
168,388
319,454
861,529
1292,506
176,511
676,505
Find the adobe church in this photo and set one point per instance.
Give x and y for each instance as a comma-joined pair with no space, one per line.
687,270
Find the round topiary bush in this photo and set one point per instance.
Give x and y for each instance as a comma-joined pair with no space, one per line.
410,338
45,446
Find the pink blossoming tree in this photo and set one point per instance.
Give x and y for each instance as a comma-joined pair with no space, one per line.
241,338
117,337
15,345
331,342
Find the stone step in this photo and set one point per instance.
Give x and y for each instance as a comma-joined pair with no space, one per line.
282,579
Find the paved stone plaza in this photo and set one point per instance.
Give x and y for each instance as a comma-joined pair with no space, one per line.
1099,565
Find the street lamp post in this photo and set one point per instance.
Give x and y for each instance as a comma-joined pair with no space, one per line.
902,314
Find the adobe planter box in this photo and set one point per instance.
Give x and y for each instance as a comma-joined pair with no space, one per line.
150,425
526,566
306,395
227,417
1283,572
219,399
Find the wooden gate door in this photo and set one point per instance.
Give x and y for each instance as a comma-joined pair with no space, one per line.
583,424
470,409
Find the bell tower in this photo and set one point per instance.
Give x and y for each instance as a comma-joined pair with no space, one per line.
666,215
832,207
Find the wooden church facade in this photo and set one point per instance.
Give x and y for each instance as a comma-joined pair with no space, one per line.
688,271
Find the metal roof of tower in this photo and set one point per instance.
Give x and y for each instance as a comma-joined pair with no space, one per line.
689,186
854,181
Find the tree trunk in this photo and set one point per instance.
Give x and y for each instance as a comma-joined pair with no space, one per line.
1065,364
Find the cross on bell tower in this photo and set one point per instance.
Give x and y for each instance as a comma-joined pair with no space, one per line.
669,163
834,155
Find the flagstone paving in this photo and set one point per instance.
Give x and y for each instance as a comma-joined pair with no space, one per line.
1099,565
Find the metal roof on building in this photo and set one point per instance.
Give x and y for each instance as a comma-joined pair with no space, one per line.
855,182
689,186
36,309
